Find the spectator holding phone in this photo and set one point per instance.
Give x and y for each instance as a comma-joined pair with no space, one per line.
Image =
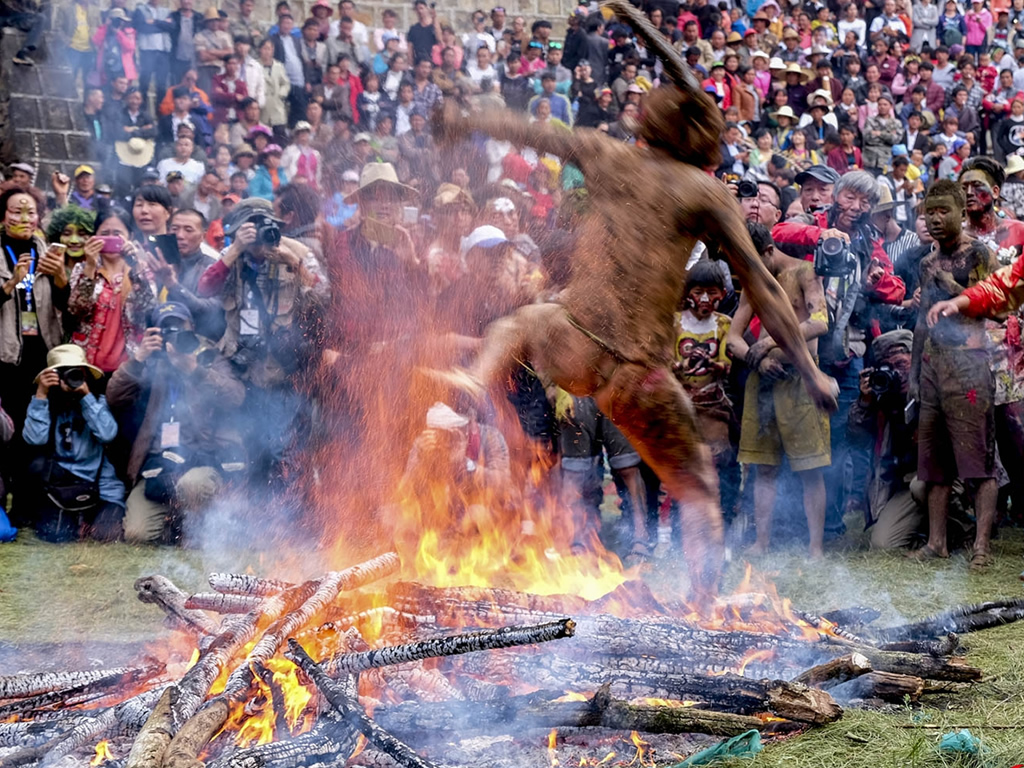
109,298
75,493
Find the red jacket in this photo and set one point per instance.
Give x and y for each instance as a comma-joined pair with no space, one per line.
889,289
837,161
1003,290
224,98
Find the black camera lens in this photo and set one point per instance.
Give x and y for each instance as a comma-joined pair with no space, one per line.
883,379
72,377
270,235
185,342
832,246
746,188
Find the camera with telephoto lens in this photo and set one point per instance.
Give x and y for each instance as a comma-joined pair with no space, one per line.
884,380
72,377
834,258
267,230
746,188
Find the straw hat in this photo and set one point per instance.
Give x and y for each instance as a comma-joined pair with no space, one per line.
1014,164
795,68
734,37
243,149
776,64
68,356
376,174
441,416
786,111
885,201
212,14
117,13
452,194
820,93
136,152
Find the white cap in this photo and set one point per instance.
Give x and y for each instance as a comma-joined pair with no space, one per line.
350,175
483,237
441,416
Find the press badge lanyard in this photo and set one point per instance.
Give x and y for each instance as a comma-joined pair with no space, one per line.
170,430
29,280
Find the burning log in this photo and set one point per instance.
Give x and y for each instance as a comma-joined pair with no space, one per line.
484,640
348,709
944,647
922,665
244,584
834,672
416,719
195,734
159,590
221,603
24,686
89,684
331,740
882,685
661,679
830,630
149,746
277,700
962,619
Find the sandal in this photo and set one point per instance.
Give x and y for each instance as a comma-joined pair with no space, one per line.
925,553
980,562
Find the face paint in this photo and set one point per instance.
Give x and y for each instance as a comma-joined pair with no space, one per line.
704,300
74,239
20,219
979,192
944,218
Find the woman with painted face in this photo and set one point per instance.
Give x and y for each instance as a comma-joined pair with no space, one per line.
110,299
33,291
71,226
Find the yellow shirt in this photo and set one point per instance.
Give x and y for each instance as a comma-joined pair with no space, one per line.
699,344
80,38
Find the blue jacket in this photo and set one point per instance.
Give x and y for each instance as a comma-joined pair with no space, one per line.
97,429
262,186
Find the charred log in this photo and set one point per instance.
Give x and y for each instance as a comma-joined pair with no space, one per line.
330,740
835,672
884,686
244,584
195,734
962,619
148,747
88,685
922,665
221,603
159,590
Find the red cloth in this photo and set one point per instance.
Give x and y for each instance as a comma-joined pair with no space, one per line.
515,167
126,39
213,279
837,161
994,294
225,96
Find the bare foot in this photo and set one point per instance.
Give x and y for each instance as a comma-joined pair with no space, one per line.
816,553
927,553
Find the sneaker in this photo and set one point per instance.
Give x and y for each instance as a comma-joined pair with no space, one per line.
23,59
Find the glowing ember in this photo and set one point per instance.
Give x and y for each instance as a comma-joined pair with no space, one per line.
552,741
103,754
752,656
648,702
644,754
573,696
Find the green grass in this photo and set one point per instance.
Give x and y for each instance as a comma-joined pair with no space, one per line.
83,593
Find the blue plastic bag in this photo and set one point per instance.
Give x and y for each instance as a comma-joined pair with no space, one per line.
7,531
745,745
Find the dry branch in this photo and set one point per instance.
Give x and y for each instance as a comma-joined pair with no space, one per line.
962,619
159,590
221,603
244,584
455,645
922,665
148,748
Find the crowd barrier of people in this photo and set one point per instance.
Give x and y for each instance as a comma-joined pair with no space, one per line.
271,199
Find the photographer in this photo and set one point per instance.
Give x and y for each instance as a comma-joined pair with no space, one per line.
895,498
184,394
272,289
77,493
849,254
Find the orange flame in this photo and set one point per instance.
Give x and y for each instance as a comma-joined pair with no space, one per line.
644,754
552,741
103,754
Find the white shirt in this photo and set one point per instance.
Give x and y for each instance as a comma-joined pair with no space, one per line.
255,82
359,31
191,169
894,22
473,40
856,26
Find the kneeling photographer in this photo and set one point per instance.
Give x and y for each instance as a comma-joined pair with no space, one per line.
79,495
884,417
273,290
849,257
183,395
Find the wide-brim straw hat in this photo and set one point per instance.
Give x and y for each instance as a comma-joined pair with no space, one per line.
795,68
1014,164
377,174
212,14
786,111
453,194
68,356
135,152
885,201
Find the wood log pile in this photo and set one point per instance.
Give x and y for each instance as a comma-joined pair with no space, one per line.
320,673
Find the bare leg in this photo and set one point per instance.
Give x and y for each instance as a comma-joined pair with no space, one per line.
938,508
985,512
814,508
764,507
654,413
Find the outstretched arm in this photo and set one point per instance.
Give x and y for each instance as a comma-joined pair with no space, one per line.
720,217
580,145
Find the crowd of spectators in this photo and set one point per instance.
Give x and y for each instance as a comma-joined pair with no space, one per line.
269,200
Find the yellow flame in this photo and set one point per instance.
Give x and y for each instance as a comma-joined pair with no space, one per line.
552,741
103,753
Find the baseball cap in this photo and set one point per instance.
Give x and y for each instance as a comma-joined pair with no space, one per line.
24,167
302,125
821,173
169,310
84,169
175,176
359,137
350,176
151,174
483,237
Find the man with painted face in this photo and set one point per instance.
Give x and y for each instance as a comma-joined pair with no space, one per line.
952,378
702,367
779,417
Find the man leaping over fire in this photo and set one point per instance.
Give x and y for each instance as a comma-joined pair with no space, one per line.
610,333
